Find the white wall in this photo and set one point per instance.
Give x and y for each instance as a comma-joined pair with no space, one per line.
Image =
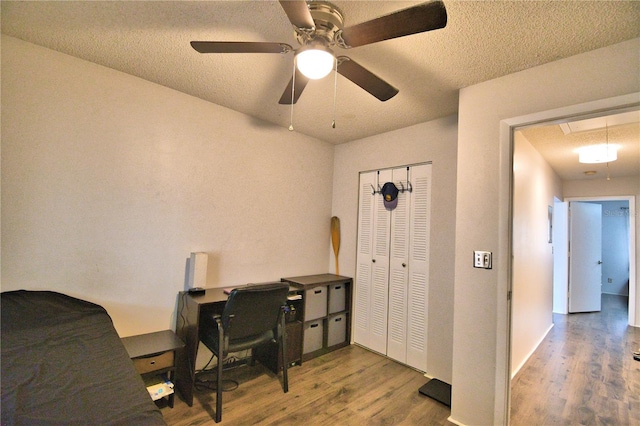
110,181
535,186
486,112
432,141
600,187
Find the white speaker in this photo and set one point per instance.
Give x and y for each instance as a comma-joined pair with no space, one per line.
197,277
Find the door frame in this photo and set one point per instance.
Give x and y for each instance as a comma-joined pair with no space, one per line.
631,199
508,126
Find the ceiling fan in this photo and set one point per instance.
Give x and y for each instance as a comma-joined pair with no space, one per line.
318,27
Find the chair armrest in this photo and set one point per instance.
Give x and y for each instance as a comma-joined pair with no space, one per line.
223,340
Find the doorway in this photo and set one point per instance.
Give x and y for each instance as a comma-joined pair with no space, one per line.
536,264
617,248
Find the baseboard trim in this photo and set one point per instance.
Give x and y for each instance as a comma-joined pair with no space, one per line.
517,369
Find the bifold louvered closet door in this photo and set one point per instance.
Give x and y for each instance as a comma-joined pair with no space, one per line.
392,275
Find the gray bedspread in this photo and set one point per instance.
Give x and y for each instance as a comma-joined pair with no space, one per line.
64,364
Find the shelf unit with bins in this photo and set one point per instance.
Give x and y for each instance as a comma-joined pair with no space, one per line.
326,312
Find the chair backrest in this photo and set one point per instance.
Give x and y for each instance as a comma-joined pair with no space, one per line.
253,309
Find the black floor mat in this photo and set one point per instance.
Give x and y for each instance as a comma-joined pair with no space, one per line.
438,390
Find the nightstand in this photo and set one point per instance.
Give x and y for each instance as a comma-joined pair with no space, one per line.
154,355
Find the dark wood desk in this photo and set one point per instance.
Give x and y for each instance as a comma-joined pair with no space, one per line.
191,308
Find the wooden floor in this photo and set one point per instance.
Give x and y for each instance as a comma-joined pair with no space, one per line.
350,386
583,373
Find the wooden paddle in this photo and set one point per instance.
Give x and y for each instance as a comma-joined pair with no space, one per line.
335,239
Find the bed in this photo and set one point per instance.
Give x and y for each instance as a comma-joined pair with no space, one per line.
64,364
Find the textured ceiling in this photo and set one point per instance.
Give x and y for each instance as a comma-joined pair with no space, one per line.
558,148
482,40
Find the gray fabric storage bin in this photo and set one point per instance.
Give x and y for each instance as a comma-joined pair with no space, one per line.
337,298
313,332
315,303
337,332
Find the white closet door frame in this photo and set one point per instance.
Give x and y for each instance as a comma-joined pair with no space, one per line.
392,272
399,270
419,247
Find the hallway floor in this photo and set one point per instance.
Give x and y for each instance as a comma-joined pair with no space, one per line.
583,372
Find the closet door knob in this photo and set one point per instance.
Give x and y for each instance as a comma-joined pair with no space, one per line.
404,265
373,260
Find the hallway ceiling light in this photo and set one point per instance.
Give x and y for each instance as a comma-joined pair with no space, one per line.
602,153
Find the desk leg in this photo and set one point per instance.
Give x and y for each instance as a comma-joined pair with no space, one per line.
187,330
171,378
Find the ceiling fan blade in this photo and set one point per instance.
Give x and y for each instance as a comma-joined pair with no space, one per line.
301,83
240,47
298,13
423,17
366,79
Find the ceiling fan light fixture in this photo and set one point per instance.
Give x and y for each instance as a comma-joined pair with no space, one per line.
602,153
315,62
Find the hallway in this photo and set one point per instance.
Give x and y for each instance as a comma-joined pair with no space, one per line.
583,372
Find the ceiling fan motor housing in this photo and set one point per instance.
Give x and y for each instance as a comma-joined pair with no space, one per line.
328,22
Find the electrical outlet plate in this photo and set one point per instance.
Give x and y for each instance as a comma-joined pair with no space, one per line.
482,259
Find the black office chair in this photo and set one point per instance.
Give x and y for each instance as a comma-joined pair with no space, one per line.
250,319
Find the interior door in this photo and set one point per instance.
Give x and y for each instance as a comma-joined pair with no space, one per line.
372,274
399,271
560,232
585,257
380,270
392,275
419,249
362,314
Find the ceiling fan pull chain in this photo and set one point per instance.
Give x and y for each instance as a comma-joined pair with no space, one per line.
293,91
335,91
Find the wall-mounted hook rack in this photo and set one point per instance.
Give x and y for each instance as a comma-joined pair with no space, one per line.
409,188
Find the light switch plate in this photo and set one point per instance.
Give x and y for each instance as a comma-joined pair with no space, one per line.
482,259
